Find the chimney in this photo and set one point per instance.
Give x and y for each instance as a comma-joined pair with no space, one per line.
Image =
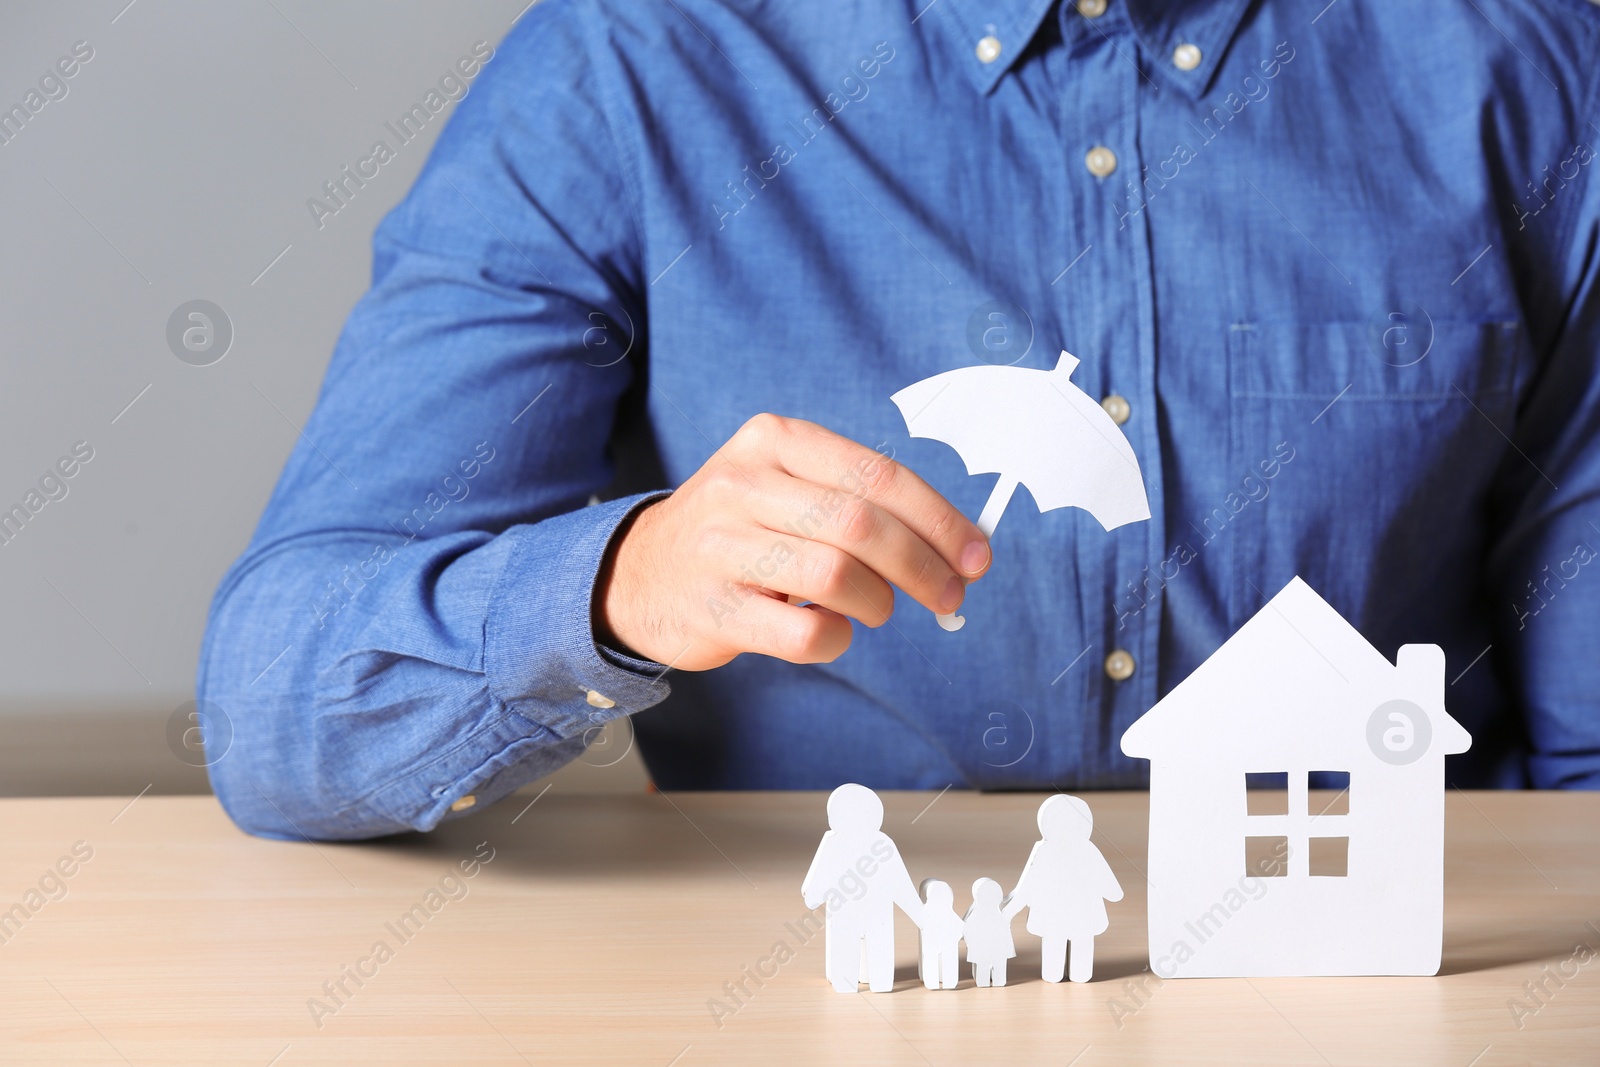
1422,668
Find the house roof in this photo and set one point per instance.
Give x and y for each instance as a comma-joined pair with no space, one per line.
1296,670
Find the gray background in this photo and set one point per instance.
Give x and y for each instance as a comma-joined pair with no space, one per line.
177,167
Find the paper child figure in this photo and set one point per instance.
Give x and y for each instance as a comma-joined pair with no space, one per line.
858,873
940,962
1064,887
987,931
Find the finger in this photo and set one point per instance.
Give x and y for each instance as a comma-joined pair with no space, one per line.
816,454
869,533
814,571
810,634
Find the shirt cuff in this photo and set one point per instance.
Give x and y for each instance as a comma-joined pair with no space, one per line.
540,653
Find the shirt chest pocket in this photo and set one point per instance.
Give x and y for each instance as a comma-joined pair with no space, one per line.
1394,432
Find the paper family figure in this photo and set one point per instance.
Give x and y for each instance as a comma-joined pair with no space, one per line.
858,874
987,931
1279,885
939,965
1031,427
1065,886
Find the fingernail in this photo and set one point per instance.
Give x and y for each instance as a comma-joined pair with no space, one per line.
975,557
954,591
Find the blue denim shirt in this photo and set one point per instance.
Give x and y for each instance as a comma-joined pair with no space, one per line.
1339,261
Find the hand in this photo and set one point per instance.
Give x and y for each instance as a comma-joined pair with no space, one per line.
786,534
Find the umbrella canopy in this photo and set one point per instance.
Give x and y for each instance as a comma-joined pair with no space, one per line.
1035,428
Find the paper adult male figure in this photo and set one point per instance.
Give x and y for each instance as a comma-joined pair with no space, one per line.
1064,887
859,875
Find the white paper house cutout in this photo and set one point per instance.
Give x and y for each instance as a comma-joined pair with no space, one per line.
1296,690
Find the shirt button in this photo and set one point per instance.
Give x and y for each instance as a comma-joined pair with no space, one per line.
1186,57
464,803
597,701
989,49
1101,161
1091,9
1119,666
1117,407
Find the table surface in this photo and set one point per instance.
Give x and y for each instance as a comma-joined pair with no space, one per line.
602,928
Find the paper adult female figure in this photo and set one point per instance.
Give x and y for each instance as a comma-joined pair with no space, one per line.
1064,887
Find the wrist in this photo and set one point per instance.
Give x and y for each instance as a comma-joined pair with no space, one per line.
615,588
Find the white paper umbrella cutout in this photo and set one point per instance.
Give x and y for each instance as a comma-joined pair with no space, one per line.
1032,427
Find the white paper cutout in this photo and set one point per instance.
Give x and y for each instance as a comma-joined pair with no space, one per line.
1031,427
1298,689
939,963
857,872
1064,886
987,932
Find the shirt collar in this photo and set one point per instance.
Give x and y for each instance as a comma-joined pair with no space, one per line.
1160,26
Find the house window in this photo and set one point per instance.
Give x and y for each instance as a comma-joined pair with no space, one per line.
1330,857
1276,811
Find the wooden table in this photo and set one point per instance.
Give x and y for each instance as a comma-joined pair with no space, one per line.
601,929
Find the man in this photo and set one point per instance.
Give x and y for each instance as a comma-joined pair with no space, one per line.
1332,269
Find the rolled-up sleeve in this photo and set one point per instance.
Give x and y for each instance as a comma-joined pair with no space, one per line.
411,622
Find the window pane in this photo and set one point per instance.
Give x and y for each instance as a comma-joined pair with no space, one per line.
1266,792
1266,857
1330,793
1330,857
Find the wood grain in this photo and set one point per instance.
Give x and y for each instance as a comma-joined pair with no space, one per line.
604,929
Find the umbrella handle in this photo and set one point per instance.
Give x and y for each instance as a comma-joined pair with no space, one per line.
999,497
